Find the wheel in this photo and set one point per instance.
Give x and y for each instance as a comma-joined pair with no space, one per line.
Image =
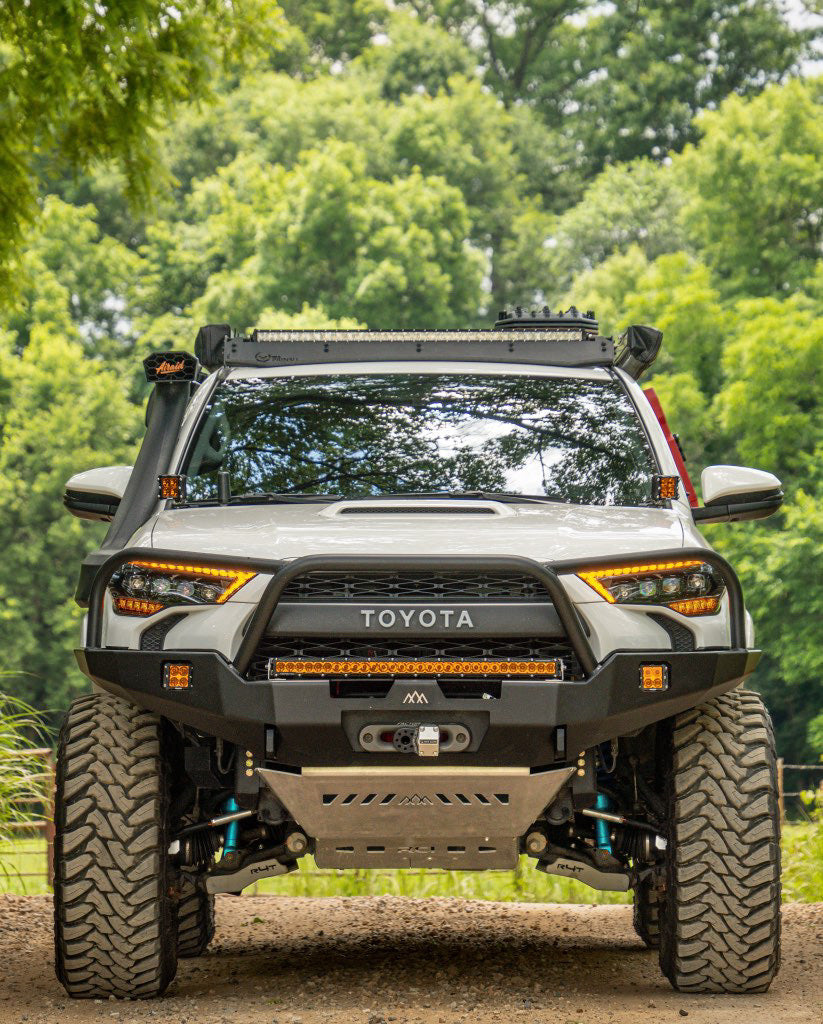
646,914
720,920
195,921
115,924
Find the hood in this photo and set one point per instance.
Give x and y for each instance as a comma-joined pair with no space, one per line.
413,527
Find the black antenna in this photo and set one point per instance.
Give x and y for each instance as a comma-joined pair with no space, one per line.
223,487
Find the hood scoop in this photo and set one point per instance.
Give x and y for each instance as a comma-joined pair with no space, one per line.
416,507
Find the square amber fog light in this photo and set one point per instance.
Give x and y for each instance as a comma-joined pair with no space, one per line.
176,675
654,677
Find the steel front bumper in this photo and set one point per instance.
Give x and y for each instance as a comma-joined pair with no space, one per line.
299,723
533,722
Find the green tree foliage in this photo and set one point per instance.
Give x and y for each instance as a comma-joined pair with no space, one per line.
60,413
629,204
774,365
459,159
624,80
83,81
322,31
417,58
756,185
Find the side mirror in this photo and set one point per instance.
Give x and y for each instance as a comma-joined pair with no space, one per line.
734,493
96,493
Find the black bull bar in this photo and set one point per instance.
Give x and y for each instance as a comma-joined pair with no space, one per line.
607,703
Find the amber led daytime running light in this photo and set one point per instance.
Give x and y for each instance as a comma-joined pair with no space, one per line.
696,605
594,576
238,577
391,668
137,606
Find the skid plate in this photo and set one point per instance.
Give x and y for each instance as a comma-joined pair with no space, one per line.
416,817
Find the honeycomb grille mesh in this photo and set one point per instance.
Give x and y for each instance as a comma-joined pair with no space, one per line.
154,638
414,586
681,636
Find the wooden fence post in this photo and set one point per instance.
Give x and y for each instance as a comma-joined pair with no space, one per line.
49,807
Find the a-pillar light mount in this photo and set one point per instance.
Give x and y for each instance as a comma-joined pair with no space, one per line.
665,488
171,488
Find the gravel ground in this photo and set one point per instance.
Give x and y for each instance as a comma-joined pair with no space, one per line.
279,960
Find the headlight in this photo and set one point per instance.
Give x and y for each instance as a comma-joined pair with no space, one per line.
143,588
691,588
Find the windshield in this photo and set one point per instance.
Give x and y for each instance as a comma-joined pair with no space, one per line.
360,435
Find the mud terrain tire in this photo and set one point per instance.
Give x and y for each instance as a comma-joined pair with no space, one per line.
646,913
195,922
114,910
720,921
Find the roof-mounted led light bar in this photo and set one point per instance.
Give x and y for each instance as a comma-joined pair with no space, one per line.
563,332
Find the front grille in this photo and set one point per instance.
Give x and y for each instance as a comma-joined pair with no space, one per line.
391,648
414,586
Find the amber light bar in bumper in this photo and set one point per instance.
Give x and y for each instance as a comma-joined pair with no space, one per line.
304,667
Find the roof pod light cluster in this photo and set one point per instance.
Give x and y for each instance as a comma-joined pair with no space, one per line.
520,316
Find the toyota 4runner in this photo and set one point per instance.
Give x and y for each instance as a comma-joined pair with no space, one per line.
413,599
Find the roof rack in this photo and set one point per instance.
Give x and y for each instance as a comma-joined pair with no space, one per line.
567,342
541,338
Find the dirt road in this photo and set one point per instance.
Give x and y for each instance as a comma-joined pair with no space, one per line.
385,959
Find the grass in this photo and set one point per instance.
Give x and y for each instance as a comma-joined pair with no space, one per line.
803,862
21,858
525,885
802,877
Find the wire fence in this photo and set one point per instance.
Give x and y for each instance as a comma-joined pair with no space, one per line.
37,856
796,797
33,829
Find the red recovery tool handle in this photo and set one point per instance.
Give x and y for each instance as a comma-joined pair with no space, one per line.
677,455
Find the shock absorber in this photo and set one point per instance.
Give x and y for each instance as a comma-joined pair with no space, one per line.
601,827
231,806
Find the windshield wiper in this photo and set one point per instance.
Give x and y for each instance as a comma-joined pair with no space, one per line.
270,498
538,499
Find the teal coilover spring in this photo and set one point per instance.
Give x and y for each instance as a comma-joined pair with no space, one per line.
601,828
231,806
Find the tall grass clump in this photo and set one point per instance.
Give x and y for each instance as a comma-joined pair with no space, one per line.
22,779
